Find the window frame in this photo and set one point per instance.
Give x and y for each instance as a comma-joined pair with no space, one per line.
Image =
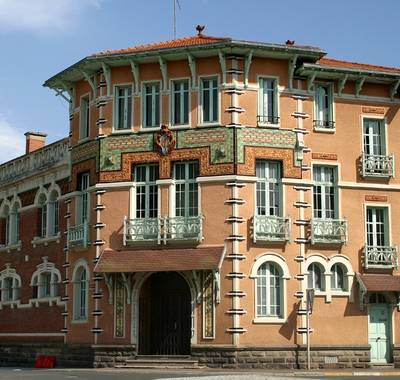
260,103
84,123
116,111
143,105
82,198
387,222
147,184
323,273
383,138
77,317
331,108
172,103
201,121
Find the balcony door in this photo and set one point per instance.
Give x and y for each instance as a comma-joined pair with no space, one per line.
165,315
374,137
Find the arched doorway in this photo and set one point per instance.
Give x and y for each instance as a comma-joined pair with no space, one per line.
164,315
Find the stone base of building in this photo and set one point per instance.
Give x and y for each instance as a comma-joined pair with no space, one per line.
287,357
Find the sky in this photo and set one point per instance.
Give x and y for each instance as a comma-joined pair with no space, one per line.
39,38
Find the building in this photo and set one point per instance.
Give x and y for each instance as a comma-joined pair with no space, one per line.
209,183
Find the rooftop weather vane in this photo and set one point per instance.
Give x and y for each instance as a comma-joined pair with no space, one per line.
200,29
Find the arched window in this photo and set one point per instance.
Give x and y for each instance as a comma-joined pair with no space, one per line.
339,277
42,216
13,223
269,291
316,277
45,281
81,279
10,283
53,214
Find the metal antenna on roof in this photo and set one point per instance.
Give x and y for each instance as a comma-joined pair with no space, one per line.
179,6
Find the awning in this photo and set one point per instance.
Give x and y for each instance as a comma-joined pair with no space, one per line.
379,282
161,260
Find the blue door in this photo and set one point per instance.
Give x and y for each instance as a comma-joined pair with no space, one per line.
380,333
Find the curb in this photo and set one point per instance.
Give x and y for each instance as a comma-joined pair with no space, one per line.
349,373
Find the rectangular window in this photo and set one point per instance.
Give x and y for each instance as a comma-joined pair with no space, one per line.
85,115
7,289
209,100
123,107
186,189
377,227
180,102
43,220
46,284
83,198
151,106
323,107
374,137
325,192
146,191
268,188
268,101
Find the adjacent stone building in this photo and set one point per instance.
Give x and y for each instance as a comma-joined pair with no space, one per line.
208,184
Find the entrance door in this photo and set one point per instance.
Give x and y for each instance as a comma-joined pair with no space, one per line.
379,330
165,315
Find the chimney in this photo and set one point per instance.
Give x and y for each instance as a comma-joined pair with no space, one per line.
34,141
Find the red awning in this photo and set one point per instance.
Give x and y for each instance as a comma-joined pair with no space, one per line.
379,282
161,260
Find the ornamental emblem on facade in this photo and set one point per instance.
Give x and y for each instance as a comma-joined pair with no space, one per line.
165,141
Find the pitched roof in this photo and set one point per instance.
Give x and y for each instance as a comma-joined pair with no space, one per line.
161,260
355,65
179,42
380,282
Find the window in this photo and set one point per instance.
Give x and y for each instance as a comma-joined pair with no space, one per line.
53,214
268,101
146,191
377,227
151,107
180,102
374,141
268,188
7,289
83,198
315,277
84,118
323,107
325,192
186,189
338,277
5,225
42,216
13,225
123,107
269,288
45,280
209,100
81,294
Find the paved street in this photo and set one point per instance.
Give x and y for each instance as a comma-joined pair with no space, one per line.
105,374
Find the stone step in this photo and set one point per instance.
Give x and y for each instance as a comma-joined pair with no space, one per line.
161,362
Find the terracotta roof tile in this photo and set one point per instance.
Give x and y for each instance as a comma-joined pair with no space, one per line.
355,65
160,260
380,282
180,42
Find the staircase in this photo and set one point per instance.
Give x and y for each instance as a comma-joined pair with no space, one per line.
160,362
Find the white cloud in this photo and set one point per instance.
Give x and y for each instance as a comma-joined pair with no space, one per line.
40,15
12,141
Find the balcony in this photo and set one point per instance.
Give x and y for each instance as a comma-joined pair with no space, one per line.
380,257
163,230
78,235
270,228
328,231
324,124
266,119
377,165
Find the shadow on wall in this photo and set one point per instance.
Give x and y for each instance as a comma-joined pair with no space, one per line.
288,329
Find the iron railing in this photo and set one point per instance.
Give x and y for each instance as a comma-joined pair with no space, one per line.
163,229
270,228
328,231
377,165
267,119
380,256
324,124
78,235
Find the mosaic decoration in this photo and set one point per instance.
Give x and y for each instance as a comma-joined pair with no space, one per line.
208,305
119,307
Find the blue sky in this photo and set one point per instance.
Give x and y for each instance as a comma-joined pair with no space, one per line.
38,38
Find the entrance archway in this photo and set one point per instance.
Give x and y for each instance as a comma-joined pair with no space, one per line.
164,315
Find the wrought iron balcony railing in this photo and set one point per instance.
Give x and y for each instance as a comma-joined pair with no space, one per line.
78,236
162,230
324,124
328,231
377,165
267,119
270,228
380,257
